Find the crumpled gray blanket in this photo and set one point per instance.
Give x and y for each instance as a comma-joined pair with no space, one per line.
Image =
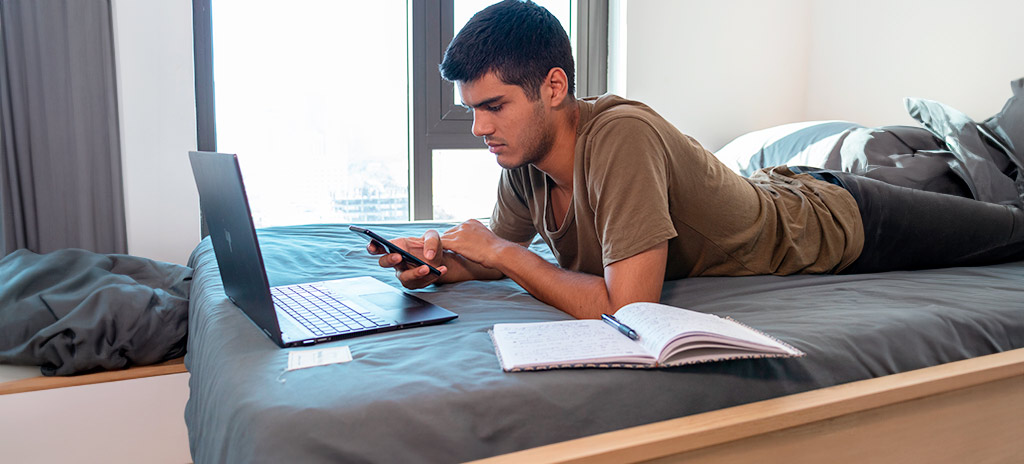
74,311
949,154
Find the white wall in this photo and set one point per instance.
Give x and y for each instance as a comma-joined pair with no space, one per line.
156,102
710,67
866,56
720,69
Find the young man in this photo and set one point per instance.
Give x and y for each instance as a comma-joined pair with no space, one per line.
625,201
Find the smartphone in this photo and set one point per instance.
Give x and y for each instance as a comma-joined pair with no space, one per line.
392,248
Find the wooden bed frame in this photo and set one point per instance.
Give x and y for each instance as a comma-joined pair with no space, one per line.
38,382
964,411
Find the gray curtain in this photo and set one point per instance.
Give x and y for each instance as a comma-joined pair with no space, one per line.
60,155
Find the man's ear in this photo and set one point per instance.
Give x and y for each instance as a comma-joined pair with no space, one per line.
556,84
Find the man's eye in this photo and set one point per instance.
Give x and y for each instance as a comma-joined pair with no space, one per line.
494,108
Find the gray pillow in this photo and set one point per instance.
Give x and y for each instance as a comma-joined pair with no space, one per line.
809,143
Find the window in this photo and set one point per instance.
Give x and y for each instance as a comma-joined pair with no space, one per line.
313,98
337,111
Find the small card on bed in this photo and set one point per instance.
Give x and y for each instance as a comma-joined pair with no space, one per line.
668,336
302,359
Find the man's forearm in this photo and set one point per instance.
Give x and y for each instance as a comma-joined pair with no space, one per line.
636,278
583,296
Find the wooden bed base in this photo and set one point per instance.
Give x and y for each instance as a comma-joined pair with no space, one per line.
38,382
965,411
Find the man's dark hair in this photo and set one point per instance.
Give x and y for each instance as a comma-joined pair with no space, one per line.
519,40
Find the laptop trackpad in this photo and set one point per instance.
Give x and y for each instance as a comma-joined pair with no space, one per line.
390,301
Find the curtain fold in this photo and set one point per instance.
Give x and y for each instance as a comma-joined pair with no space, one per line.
60,154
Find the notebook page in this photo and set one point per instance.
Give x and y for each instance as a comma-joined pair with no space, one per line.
658,324
564,342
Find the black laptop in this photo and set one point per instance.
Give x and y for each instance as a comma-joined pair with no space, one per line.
300,314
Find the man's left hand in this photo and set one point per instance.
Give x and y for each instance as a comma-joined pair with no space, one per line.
475,242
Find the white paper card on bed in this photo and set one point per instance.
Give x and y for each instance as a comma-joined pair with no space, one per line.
301,359
669,336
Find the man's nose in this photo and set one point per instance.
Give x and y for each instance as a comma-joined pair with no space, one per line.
482,126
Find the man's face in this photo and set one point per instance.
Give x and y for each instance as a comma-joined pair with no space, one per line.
516,130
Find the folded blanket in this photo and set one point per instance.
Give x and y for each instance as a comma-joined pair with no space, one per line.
74,311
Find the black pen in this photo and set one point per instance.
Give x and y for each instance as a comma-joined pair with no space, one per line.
620,326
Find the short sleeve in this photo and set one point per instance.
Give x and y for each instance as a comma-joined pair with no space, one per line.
627,182
511,218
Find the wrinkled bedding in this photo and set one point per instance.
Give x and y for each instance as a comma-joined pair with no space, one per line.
438,394
73,311
950,153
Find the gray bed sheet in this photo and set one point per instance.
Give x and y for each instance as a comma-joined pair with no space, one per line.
438,394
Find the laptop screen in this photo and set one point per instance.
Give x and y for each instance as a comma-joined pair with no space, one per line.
225,208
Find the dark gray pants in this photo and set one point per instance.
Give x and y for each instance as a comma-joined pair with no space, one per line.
907,229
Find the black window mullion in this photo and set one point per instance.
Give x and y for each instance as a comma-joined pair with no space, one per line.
592,47
202,51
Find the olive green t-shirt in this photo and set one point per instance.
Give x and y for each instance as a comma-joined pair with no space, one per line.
638,181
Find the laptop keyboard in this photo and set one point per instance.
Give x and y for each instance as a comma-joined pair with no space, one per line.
320,312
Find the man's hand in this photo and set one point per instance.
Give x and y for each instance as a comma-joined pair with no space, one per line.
427,248
453,267
475,242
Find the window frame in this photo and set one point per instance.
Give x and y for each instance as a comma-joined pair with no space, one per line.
435,121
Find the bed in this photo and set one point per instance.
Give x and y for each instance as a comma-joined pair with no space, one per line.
874,342
923,366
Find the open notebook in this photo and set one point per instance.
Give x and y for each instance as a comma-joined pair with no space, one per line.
668,336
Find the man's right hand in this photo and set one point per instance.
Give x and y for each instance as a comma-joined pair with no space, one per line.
453,266
427,248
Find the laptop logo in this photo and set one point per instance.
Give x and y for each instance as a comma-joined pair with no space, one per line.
227,236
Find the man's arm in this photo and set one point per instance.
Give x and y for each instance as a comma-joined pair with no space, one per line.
584,296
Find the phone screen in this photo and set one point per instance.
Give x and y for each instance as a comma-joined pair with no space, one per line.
392,248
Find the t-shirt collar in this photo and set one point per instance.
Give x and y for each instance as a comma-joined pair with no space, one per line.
586,108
